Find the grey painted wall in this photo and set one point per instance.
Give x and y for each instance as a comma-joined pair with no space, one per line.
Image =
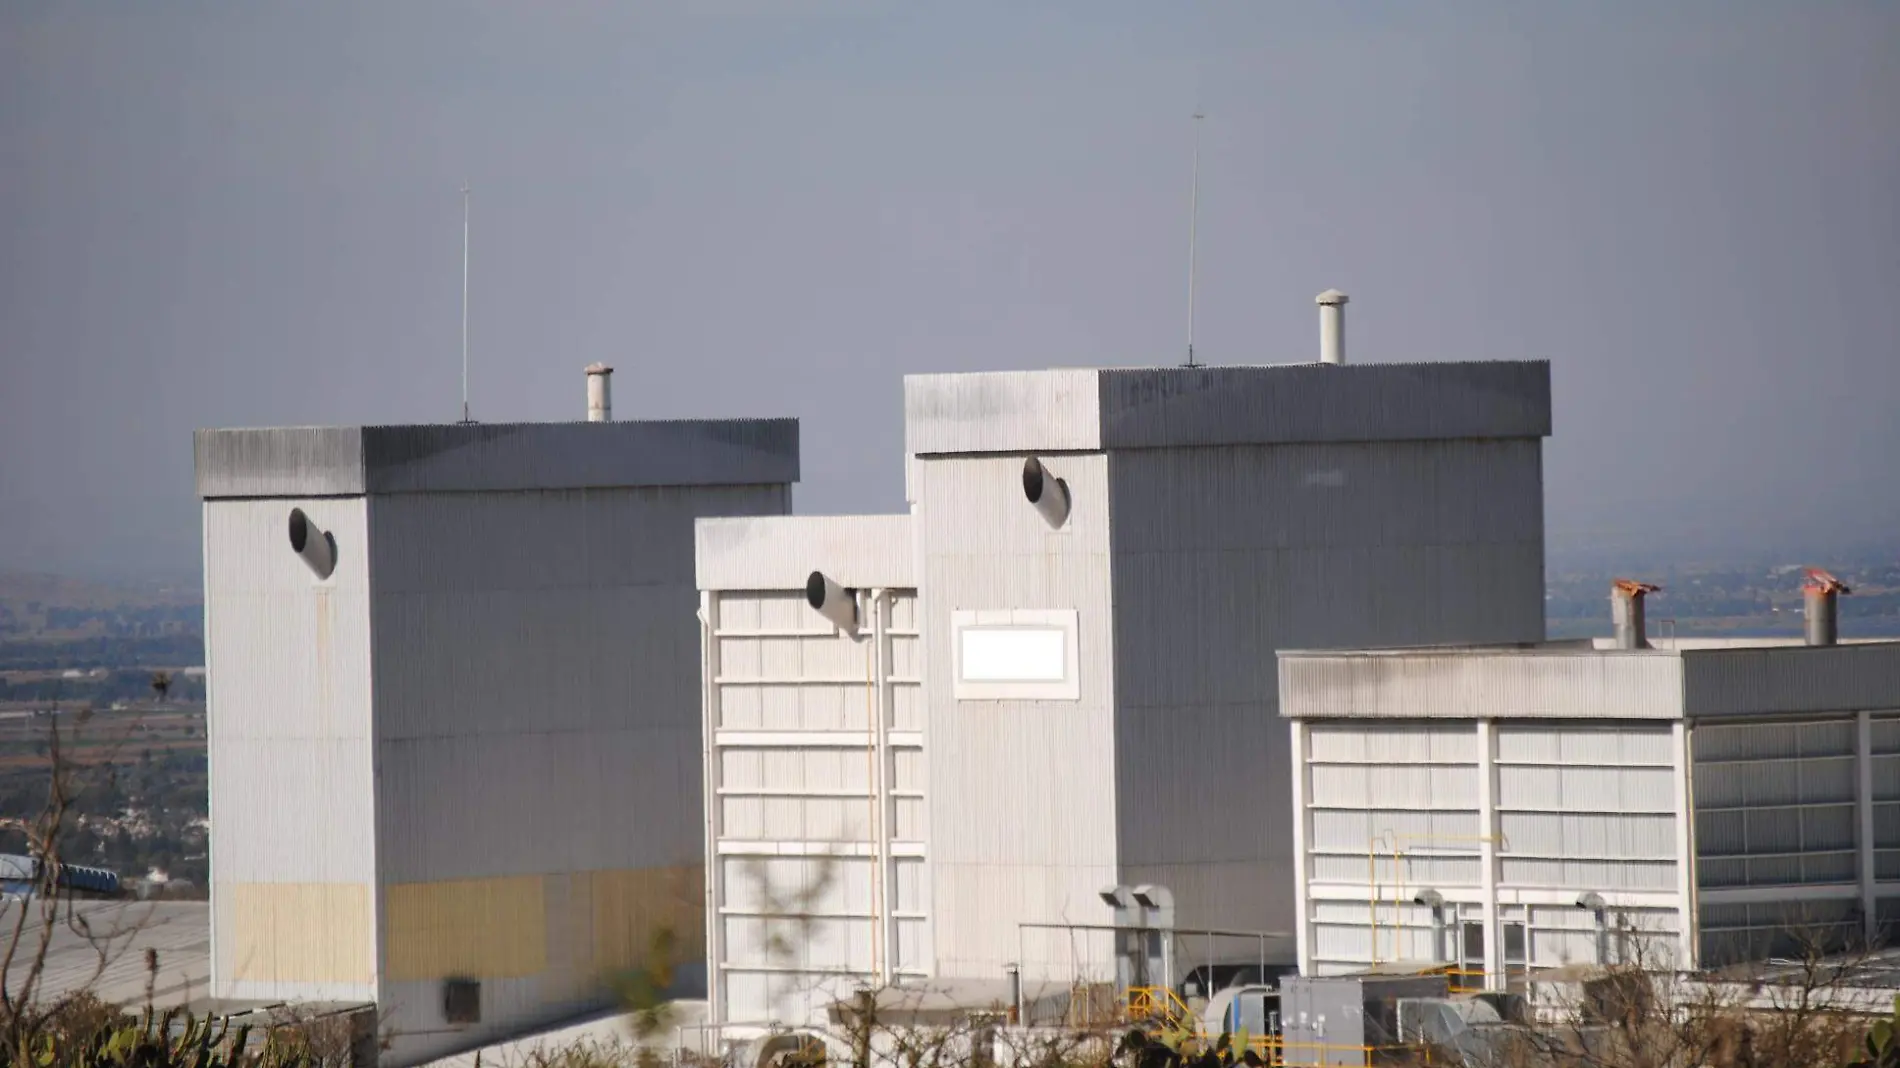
1223,555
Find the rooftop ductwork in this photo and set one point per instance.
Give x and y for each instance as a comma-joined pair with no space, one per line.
1820,606
1626,608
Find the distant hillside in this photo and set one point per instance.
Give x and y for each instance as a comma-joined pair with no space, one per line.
53,622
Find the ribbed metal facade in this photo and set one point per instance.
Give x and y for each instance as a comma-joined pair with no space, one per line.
1176,407
1507,683
1173,407
1507,823
1778,681
1023,793
291,781
474,457
1711,837
1222,551
473,749
859,551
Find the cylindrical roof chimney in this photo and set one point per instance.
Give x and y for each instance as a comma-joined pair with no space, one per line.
600,398
1332,326
1626,608
1820,605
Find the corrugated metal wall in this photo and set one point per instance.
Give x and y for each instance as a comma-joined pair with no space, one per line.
1777,681
494,457
1541,684
1022,824
780,552
1884,745
967,413
1394,810
292,825
1586,808
1224,555
1154,407
537,726
1776,803
1397,808
801,813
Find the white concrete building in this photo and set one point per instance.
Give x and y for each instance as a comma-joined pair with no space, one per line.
453,714
1510,808
1103,561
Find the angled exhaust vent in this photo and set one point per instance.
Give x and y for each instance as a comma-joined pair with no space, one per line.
1049,494
315,546
834,602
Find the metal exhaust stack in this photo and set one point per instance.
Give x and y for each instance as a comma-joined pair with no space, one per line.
1626,607
1332,326
600,399
1820,606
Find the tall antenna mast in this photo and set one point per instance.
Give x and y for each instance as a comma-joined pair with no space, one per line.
465,303
1194,213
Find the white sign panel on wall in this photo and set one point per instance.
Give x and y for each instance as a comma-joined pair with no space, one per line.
1015,654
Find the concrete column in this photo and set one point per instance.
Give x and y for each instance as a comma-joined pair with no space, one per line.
709,758
1864,801
1302,866
1686,941
886,808
1488,856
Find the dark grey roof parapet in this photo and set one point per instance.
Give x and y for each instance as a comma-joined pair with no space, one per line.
351,461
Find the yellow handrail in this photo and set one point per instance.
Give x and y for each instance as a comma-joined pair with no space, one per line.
1157,1003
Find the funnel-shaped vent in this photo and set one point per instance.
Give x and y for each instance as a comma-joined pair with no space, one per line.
314,545
1049,494
834,602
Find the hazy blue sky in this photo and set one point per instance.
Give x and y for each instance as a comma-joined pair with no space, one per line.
248,214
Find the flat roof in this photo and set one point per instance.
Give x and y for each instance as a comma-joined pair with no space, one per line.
780,552
1576,680
1090,409
351,461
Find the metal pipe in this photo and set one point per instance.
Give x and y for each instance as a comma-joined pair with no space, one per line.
1332,326
834,602
1048,494
1626,610
312,543
600,401
1820,606
1014,972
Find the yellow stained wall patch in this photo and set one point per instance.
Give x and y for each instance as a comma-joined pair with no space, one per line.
477,928
577,927
301,933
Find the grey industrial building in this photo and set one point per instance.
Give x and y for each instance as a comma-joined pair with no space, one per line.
1510,808
1097,567
453,710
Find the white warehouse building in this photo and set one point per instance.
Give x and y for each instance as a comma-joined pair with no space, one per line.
1506,809
1069,664
453,713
